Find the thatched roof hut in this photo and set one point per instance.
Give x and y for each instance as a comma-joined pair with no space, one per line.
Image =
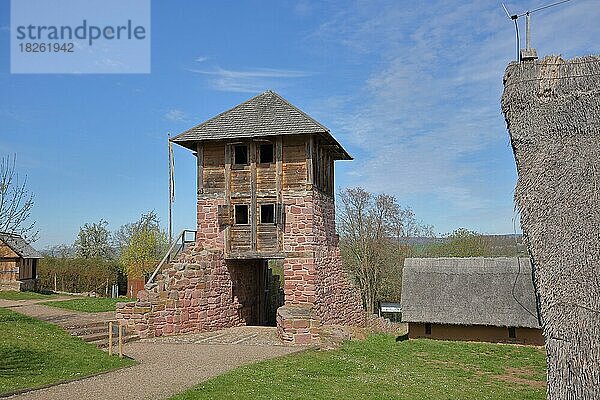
469,291
552,110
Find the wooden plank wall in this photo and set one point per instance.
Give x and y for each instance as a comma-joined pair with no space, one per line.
294,163
323,167
7,252
25,268
212,168
8,270
279,185
8,264
297,162
266,179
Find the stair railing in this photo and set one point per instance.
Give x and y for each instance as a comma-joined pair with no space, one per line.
177,247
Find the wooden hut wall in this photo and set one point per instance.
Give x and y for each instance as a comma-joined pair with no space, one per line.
8,264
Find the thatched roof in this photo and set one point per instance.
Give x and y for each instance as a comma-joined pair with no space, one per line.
19,245
267,114
552,110
469,291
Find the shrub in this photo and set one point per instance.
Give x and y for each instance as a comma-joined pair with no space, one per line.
78,274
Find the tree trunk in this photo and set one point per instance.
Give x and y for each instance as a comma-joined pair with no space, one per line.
552,110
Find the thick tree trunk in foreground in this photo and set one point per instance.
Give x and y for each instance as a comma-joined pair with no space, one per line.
552,109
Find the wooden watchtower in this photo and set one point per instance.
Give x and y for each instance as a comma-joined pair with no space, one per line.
265,191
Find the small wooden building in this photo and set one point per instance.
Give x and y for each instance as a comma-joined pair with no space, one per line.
18,263
474,299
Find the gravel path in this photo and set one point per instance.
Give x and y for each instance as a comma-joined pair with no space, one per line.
164,369
166,366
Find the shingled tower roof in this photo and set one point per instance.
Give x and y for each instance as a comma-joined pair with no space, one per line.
267,114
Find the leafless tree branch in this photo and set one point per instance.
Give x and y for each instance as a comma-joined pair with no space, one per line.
16,202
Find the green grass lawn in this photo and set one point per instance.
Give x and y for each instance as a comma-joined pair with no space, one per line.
11,295
89,304
381,368
34,353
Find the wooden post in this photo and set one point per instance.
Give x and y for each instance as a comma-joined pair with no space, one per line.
253,203
120,341
110,337
200,166
227,232
55,285
171,187
310,144
279,184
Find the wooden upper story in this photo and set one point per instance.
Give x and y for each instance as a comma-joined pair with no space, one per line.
254,156
266,166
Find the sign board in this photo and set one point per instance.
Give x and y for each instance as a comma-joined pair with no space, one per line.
390,307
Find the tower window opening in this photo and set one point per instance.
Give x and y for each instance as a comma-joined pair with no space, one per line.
267,213
240,155
241,214
265,153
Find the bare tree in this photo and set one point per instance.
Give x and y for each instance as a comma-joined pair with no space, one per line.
375,232
404,227
59,251
16,202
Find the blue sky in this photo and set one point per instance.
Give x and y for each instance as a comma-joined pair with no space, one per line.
411,89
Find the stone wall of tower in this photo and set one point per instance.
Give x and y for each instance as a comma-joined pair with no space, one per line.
317,289
313,272
338,301
203,291
209,234
299,266
194,294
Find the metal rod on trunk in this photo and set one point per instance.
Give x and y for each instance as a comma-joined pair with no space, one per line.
528,29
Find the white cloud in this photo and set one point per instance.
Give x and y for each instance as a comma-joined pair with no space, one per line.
109,63
176,115
248,81
428,115
11,114
202,59
303,8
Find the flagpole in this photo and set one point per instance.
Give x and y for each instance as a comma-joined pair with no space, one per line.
170,150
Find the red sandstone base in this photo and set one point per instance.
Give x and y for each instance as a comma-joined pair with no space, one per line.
203,292
298,325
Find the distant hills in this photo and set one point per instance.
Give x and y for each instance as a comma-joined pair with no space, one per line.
502,239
